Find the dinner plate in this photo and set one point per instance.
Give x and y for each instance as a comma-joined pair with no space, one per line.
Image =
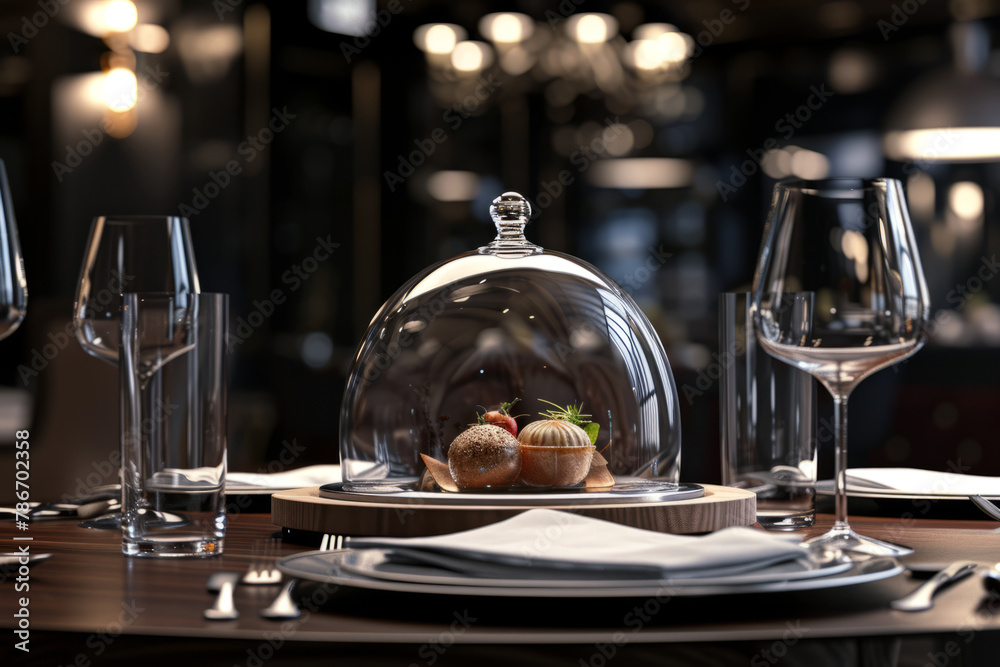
328,567
826,488
380,564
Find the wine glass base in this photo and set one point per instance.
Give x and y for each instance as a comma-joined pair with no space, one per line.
847,540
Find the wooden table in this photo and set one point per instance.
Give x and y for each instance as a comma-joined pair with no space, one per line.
91,605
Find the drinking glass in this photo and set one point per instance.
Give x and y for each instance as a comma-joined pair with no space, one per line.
173,423
839,292
151,253
767,420
13,285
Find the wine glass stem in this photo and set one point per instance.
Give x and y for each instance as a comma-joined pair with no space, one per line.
840,461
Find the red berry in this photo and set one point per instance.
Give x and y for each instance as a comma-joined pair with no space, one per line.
503,421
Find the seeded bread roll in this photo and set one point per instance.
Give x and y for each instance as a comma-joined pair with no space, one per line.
484,456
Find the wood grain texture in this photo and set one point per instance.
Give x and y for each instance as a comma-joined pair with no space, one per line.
89,588
304,509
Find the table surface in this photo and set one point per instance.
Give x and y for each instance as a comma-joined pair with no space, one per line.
88,586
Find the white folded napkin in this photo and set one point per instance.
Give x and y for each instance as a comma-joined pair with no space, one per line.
543,538
288,479
921,482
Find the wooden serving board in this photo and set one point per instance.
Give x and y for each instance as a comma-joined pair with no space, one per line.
304,509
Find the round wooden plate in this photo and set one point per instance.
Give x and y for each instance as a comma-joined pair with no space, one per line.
304,509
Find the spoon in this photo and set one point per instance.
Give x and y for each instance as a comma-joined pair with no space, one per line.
283,606
922,598
991,579
223,609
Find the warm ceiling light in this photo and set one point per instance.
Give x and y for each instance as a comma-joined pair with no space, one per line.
149,38
120,15
653,30
453,185
945,144
471,56
120,89
438,38
952,115
675,47
966,199
507,28
641,173
810,165
592,28
646,54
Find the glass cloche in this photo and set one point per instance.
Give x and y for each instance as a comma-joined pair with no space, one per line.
509,320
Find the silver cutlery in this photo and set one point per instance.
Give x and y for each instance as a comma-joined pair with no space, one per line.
11,562
987,506
991,579
262,570
224,609
283,607
68,510
921,599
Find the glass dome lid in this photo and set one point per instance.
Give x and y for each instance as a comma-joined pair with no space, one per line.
509,320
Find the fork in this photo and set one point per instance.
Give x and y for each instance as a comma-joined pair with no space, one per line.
284,607
262,571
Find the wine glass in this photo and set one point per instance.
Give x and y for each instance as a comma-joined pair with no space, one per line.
839,292
148,254
13,285
129,254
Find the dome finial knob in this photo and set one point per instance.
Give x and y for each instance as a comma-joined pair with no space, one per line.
510,212
510,207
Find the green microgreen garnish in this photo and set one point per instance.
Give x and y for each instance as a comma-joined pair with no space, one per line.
572,414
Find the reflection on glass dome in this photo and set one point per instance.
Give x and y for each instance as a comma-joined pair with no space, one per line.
507,320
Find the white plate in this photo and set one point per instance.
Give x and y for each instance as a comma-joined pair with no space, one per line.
376,564
328,567
825,488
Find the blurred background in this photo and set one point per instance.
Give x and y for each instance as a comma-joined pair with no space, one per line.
647,135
